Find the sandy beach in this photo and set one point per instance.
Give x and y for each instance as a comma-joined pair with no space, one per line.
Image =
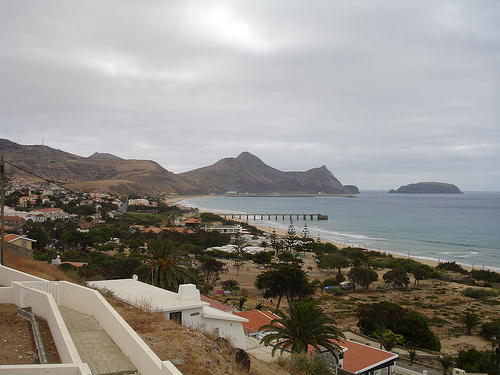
282,233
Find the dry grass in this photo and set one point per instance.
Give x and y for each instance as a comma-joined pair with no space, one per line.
193,351
36,268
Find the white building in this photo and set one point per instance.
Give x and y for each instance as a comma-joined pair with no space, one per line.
228,229
138,202
185,306
43,214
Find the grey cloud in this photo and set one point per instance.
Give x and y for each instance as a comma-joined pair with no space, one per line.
378,92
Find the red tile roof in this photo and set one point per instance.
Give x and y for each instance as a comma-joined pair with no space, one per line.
76,264
12,237
152,229
48,210
192,220
360,358
216,304
180,229
13,218
256,319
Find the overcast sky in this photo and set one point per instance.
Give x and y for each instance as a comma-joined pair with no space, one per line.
384,93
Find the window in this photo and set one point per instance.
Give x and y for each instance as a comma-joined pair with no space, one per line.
176,317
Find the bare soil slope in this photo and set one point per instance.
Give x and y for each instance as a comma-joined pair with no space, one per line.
115,175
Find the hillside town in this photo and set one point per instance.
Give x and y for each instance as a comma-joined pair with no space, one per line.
233,283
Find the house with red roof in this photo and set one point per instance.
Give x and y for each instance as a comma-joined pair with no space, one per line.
152,229
216,304
355,359
361,359
256,319
18,240
27,200
42,214
192,223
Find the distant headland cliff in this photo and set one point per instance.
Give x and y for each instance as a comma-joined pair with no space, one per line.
428,188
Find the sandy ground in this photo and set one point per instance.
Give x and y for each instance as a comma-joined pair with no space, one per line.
16,339
442,302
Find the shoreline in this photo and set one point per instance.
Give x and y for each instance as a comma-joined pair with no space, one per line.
282,232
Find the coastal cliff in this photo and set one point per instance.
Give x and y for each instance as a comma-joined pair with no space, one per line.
427,188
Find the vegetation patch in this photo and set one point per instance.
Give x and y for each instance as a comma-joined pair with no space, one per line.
478,293
491,302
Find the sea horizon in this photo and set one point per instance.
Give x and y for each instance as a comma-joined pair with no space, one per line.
438,227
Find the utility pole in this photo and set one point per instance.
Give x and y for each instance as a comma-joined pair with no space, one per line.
2,199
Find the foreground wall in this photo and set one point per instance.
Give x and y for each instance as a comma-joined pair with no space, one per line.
22,294
8,275
91,302
19,250
43,303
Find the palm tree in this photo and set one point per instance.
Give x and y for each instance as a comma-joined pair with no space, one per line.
163,268
470,321
446,362
413,354
304,323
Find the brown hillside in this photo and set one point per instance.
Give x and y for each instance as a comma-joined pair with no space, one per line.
106,172
248,174
113,175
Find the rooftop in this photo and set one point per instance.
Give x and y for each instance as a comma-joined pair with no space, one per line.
141,294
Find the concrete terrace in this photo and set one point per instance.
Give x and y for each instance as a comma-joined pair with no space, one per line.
90,336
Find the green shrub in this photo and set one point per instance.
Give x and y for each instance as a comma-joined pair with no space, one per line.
478,293
309,365
485,275
452,267
490,330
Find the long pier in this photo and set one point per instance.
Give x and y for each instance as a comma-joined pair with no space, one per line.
275,216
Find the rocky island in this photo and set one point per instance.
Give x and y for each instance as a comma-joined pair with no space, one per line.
428,188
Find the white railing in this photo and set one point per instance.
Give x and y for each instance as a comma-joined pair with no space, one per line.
51,287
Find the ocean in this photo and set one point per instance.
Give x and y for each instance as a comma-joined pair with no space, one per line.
464,228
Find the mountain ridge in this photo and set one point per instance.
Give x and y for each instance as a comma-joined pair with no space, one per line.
247,173
106,172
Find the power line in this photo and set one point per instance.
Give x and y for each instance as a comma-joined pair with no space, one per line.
60,184
46,180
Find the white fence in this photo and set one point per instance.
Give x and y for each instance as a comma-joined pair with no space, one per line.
51,287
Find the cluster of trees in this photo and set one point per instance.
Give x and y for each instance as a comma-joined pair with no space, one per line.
99,265
292,243
363,264
284,280
375,319
487,277
472,361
